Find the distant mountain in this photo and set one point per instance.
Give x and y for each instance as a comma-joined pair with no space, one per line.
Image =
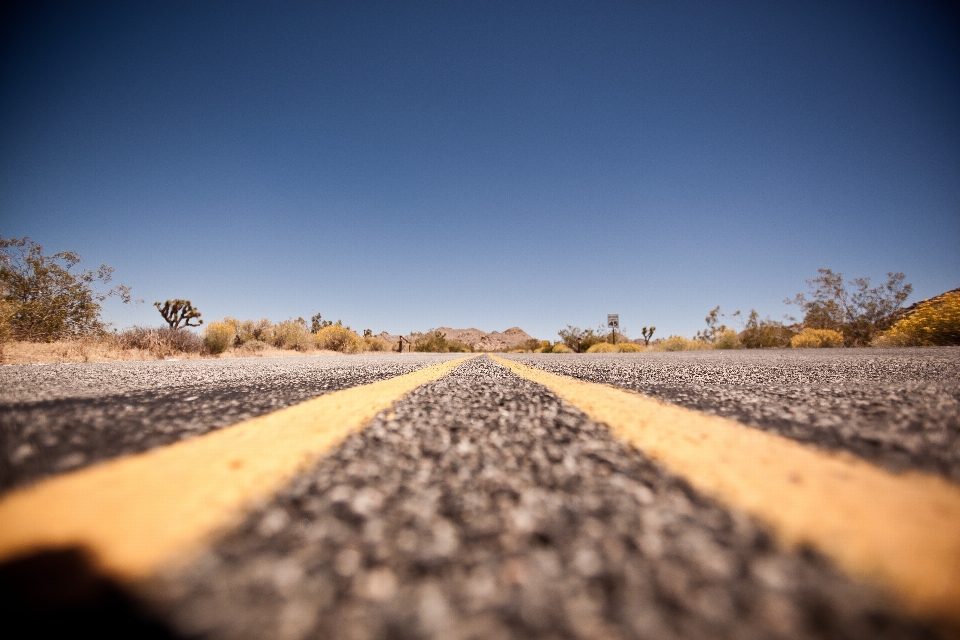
477,339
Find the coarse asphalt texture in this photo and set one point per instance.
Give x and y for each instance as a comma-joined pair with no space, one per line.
56,418
897,408
481,506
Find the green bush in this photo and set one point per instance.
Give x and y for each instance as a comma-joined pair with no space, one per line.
338,338
765,334
817,339
49,300
218,336
580,340
436,342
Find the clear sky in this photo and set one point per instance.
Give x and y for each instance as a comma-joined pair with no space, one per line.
403,166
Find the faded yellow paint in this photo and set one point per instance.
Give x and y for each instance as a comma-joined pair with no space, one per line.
137,513
900,531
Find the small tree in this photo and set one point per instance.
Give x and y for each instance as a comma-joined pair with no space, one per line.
858,314
178,313
317,322
580,339
764,334
647,335
368,333
50,300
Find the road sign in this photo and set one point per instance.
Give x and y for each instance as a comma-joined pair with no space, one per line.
613,320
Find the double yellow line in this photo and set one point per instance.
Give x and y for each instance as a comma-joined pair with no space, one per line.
139,513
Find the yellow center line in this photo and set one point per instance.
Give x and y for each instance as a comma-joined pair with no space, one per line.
137,513
901,532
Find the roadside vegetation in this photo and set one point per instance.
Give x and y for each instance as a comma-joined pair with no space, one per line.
836,313
50,311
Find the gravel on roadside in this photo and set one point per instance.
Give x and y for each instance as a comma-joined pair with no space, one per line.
483,507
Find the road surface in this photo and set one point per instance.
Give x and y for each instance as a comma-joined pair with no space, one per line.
482,506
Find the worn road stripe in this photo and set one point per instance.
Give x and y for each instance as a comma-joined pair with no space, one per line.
899,531
136,513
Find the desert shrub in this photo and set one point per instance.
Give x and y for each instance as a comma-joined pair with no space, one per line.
437,342
254,346
727,339
218,337
629,347
934,323
530,345
602,347
292,334
161,342
372,343
251,330
765,334
560,348
679,343
859,313
816,339
338,338
52,301
580,340
7,311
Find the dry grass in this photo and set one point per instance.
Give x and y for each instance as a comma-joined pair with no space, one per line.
92,350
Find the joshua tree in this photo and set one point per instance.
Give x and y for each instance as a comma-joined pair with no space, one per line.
647,334
368,333
178,313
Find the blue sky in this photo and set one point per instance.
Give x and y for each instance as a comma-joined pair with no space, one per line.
403,166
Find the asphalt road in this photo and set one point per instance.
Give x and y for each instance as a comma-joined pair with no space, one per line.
483,507
899,408
56,418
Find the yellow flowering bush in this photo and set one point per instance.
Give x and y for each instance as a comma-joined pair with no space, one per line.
679,343
816,339
338,338
629,347
218,336
291,334
373,343
602,347
934,323
727,339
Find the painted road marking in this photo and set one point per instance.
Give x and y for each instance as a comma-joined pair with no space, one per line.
899,531
137,513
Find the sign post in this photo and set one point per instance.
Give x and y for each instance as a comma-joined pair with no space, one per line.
613,321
